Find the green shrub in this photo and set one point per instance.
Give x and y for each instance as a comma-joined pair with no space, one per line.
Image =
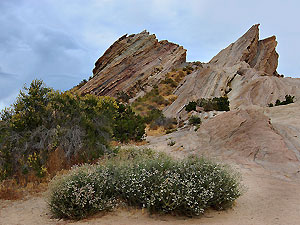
288,100
194,120
148,180
152,115
42,120
191,106
170,81
171,143
218,104
128,125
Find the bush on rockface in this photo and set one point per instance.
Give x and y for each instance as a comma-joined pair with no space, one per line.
191,106
217,104
288,100
146,179
194,120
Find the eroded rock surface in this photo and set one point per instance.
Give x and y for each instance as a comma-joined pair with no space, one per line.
132,64
245,71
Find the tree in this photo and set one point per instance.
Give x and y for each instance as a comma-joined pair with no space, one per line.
128,125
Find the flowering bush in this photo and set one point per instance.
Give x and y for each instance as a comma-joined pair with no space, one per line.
185,187
84,191
148,180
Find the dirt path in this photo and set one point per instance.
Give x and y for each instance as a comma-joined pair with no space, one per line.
268,200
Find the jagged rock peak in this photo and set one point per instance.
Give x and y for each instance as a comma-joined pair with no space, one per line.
132,63
259,54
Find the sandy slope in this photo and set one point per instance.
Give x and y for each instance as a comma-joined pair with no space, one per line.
268,200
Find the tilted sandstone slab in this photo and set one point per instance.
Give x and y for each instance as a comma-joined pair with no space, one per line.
254,137
245,71
246,134
259,54
132,64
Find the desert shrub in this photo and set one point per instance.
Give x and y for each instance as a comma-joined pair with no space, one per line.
83,82
189,69
171,143
169,81
171,130
191,106
146,179
222,103
160,100
165,122
217,103
288,100
185,187
128,125
82,192
194,120
42,120
152,115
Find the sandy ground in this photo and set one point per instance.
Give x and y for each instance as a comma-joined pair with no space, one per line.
268,200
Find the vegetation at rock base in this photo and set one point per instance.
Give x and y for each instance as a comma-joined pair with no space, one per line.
146,179
43,120
128,125
161,95
217,104
194,120
288,100
191,106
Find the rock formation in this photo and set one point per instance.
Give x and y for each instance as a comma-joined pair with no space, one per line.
258,54
245,71
132,64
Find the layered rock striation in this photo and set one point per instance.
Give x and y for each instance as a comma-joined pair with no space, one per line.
245,71
133,64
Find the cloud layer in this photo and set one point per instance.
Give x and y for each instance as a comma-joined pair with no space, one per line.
59,40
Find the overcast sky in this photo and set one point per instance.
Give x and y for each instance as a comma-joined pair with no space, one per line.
60,40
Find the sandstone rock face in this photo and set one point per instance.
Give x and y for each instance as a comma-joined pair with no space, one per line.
246,134
245,71
255,137
132,64
258,54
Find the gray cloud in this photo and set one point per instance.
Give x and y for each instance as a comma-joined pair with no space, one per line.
59,40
